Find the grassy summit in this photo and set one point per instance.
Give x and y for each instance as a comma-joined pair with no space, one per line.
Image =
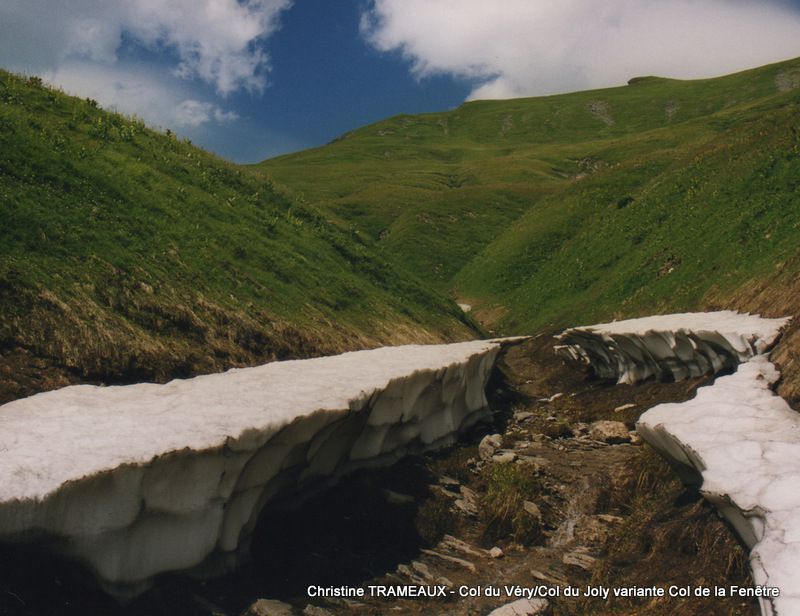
550,211
126,254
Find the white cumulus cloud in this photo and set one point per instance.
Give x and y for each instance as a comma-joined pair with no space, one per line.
133,90
212,40
180,47
532,47
194,113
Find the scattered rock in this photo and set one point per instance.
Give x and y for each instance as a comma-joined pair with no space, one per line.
624,407
496,552
350,603
521,607
458,545
313,610
422,569
550,579
488,445
451,559
610,519
532,509
523,415
592,530
406,571
506,457
449,482
269,607
580,429
437,489
468,503
611,432
551,398
579,558
465,507
468,495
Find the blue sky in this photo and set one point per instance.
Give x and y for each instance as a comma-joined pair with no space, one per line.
251,79
326,80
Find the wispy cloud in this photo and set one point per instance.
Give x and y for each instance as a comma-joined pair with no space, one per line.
530,47
133,90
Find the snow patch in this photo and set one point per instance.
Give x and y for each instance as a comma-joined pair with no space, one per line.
669,347
741,443
140,479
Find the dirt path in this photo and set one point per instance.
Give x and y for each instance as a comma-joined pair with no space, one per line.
568,505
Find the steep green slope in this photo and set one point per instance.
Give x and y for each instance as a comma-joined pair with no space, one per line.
655,233
547,211
127,254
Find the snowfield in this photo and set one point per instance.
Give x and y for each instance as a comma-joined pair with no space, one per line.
741,443
669,347
140,479
736,440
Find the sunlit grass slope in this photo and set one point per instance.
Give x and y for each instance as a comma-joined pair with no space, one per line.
126,253
550,211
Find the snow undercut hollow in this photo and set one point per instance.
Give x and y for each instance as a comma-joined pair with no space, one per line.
141,479
669,347
740,443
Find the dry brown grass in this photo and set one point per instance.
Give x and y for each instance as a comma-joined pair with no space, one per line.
671,535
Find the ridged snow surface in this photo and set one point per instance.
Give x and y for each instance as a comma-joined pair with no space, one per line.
140,479
742,443
671,346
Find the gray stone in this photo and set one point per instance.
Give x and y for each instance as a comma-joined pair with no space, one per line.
269,607
521,607
532,509
579,559
611,432
488,445
506,457
422,569
450,542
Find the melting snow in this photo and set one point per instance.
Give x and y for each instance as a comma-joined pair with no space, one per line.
742,442
672,346
147,478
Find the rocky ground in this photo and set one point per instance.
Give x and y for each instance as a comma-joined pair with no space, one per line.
560,494
565,495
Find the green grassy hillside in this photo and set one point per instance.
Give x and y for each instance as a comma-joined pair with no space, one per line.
128,254
546,212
